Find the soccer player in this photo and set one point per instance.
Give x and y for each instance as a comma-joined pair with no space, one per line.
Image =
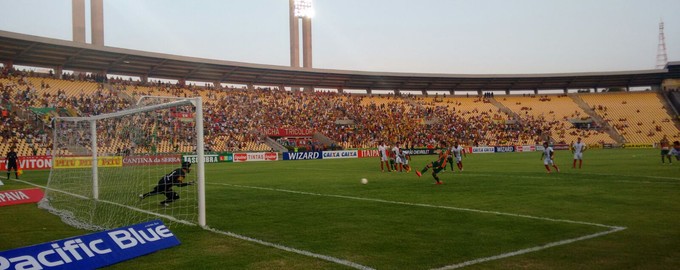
174,178
396,153
12,162
437,165
675,151
457,152
406,158
577,149
665,149
548,156
384,158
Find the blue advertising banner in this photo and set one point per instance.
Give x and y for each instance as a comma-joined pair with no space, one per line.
503,149
92,251
301,155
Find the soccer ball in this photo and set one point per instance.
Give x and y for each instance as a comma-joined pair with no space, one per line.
364,181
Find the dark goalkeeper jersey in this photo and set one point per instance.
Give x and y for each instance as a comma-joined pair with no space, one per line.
173,178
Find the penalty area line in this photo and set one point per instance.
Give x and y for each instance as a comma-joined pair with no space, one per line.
529,250
611,229
422,205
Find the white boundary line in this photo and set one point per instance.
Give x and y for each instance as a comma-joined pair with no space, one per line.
294,250
547,177
594,180
231,234
529,250
611,229
110,202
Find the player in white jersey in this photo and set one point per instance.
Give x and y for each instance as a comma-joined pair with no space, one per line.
405,157
577,149
457,153
398,157
675,151
548,156
384,158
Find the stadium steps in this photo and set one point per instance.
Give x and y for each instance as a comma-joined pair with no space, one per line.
120,93
505,109
593,115
323,139
670,108
274,145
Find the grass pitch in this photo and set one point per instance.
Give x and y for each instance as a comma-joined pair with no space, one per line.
499,206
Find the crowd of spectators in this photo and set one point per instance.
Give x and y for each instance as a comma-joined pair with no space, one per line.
236,119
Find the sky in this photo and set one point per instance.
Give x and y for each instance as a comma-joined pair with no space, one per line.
425,36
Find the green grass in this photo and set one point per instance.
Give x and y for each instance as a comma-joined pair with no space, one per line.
400,221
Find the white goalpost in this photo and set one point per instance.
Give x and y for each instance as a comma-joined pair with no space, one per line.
101,164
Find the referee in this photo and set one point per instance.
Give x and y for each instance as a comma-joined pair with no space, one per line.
12,160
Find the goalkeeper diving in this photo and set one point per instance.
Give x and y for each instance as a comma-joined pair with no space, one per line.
174,178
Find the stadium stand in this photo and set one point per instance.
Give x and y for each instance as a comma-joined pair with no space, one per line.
558,112
640,117
236,118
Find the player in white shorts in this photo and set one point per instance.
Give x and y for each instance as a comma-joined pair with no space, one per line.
384,158
457,153
398,161
577,149
675,151
548,156
406,157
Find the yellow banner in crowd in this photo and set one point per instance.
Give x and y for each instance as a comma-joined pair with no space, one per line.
86,162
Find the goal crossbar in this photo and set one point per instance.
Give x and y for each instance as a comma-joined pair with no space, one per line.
198,118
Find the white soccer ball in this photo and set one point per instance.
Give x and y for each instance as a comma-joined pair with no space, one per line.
364,181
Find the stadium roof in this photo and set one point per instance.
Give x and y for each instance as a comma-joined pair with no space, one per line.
21,49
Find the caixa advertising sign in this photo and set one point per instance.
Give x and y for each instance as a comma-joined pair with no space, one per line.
340,154
92,251
483,149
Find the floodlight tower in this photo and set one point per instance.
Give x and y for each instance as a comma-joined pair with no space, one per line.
661,56
301,10
96,23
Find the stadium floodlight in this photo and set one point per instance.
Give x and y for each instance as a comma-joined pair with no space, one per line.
303,9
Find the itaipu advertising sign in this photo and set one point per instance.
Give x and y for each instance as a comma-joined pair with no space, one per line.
92,251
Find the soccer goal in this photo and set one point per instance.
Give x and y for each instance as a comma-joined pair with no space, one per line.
102,164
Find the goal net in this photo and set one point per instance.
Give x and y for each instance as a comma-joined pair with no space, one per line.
102,164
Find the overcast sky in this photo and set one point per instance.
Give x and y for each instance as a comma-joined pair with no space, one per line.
428,36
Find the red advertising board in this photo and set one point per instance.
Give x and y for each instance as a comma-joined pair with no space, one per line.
271,156
259,156
31,163
289,132
368,153
525,148
240,157
152,160
561,147
20,196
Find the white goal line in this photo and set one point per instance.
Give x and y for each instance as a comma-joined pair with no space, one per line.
230,234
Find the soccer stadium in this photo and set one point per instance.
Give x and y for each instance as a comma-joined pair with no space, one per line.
298,167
